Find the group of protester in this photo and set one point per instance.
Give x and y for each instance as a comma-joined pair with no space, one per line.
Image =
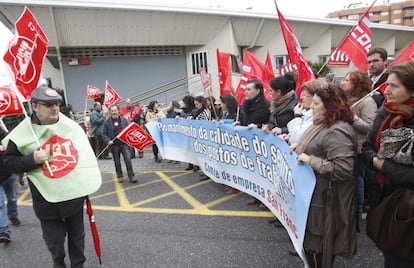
337,130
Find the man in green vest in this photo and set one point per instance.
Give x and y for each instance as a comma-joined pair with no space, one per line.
62,171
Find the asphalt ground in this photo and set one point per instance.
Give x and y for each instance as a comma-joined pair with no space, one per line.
170,219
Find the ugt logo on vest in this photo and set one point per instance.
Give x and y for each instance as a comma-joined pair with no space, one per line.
63,156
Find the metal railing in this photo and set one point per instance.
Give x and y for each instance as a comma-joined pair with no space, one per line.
163,94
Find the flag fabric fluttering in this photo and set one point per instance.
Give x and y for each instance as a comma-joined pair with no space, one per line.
9,102
224,72
26,53
405,56
253,68
93,92
338,58
136,136
268,62
295,52
357,42
288,68
111,96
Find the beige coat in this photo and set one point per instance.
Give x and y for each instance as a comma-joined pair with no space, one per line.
150,115
331,225
364,115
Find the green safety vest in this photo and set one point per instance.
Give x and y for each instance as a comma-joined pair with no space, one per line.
72,160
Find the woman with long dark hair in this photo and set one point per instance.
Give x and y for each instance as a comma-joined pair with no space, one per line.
328,146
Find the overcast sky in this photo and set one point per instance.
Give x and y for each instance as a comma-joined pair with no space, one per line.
306,8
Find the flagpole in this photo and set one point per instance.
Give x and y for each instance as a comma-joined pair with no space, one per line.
117,136
371,93
323,66
211,101
2,123
27,117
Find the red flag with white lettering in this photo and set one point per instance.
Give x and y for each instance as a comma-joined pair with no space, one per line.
26,52
136,137
338,58
93,92
295,53
224,72
253,68
9,102
357,42
288,68
405,56
111,96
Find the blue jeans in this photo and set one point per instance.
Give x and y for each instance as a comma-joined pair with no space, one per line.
117,150
8,190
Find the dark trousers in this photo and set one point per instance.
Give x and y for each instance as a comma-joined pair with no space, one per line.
117,150
155,149
54,233
393,261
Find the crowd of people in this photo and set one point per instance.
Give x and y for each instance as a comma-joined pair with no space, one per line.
335,128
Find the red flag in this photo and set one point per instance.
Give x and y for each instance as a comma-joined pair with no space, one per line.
111,96
382,87
288,67
268,62
338,58
204,78
93,92
136,137
9,102
406,55
295,53
224,72
357,42
253,68
26,52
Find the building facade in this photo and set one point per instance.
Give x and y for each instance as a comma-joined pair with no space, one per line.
401,13
141,47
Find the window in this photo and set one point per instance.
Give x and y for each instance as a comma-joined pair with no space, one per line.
397,11
235,61
280,61
384,13
353,17
397,21
407,19
408,9
198,60
376,13
323,58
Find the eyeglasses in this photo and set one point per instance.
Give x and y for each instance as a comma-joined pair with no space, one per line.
373,61
49,104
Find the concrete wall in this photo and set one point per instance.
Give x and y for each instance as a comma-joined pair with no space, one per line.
129,76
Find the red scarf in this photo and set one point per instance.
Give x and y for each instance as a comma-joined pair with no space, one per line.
397,114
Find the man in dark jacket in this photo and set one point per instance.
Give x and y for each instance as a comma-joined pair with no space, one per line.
50,147
255,107
111,128
377,68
